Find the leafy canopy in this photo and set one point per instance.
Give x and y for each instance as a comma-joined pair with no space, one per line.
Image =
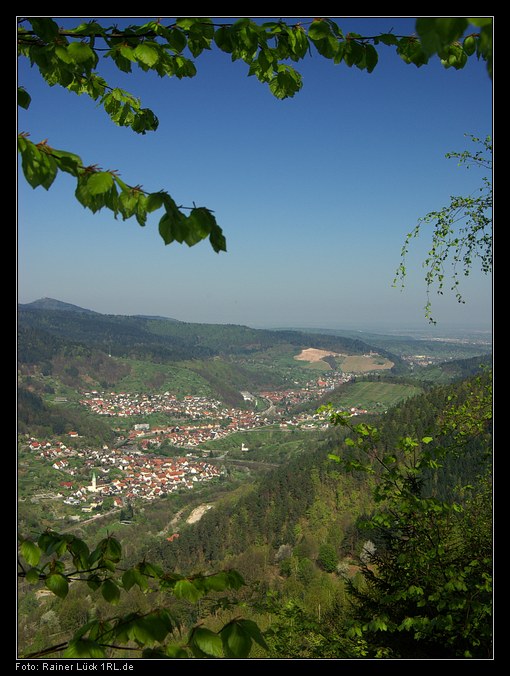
426,589
71,58
57,560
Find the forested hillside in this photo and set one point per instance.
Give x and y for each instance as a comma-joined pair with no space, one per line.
279,509
165,339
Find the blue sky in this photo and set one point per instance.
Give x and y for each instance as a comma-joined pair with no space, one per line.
315,194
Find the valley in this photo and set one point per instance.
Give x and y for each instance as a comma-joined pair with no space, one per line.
202,447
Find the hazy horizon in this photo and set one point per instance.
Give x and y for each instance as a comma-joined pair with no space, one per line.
315,194
423,327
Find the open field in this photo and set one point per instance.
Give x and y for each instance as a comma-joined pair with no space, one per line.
375,396
355,363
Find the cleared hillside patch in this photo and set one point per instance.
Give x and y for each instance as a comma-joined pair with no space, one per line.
349,363
374,396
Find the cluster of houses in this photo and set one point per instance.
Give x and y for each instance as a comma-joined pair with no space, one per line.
131,472
141,476
122,404
312,390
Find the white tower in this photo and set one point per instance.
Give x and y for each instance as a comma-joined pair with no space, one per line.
93,487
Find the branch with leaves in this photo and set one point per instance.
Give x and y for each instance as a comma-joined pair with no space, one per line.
58,560
70,58
461,231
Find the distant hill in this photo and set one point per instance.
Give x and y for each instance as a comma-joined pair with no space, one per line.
53,304
457,369
163,339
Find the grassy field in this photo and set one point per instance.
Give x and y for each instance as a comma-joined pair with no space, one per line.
374,396
146,376
269,445
358,363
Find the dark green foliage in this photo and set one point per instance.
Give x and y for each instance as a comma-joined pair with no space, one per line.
328,558
426,590
37,418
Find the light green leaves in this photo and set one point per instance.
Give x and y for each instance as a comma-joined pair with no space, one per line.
97,189
30,552
39,167
58,584
146,54
460,232
152,632
126,111
437,33
206,643
70,58
286,82
100,182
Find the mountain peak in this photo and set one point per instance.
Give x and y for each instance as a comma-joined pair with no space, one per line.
53,304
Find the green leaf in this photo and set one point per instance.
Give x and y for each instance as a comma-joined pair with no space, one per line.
217,240
30,552
80,553
146,54
236,641
177,40
171,223
158,624
83,648
113,549
252,629
81,52
286,82
68,162
480,21
176,651
51,542
94,582
371,57
58,584
128,579
39,168
128,201
438,32
319,30
100,182
110,591
223,39
44,27
208,642
127,52
24,98
388,39
184,589
155,201
32,575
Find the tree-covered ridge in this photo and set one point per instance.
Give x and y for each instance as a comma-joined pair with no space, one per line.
283,498
162,339
35,418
